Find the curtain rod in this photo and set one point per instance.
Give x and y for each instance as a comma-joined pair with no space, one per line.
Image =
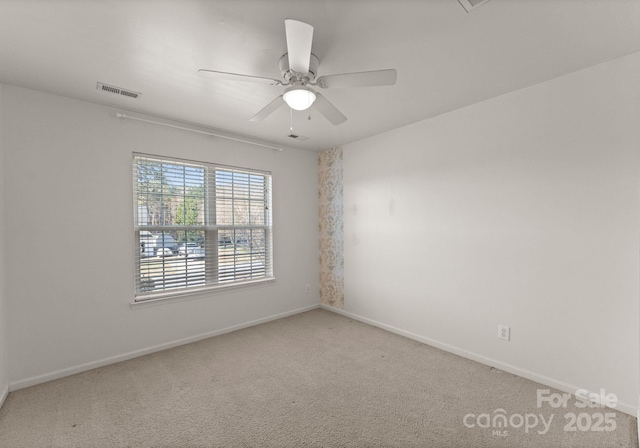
277,148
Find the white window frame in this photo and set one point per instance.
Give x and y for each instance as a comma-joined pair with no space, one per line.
211,230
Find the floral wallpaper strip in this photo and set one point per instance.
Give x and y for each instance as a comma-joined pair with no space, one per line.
331,228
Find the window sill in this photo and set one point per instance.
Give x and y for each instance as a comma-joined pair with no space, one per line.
170,297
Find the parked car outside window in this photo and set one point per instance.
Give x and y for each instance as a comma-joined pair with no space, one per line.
164,252
187,248
196,254
225,241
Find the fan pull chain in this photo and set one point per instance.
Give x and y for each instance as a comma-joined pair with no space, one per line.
290,121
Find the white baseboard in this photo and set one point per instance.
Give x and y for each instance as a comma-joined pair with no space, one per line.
3,395
32,381
533,376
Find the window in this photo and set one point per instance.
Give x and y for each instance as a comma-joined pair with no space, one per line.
199,225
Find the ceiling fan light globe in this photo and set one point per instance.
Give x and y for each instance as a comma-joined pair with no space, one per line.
299,99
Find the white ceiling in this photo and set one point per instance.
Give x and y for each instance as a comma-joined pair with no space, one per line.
445,58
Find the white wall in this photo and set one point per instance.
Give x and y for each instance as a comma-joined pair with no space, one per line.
522,210
4,321
70,242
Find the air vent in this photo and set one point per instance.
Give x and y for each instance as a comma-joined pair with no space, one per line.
118,90
298,137
469,5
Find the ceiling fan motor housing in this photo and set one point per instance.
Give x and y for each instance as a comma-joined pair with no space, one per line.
292,77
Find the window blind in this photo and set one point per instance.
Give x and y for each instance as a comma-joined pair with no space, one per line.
199,225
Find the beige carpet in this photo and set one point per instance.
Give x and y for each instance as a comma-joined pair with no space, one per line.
316,379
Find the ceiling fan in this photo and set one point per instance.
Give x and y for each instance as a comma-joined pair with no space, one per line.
299,68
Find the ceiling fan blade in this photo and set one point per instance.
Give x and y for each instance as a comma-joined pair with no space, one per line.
361,79
328,110
240,77
299,39
268,109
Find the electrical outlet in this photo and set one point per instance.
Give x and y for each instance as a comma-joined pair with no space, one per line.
307,288
504,332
